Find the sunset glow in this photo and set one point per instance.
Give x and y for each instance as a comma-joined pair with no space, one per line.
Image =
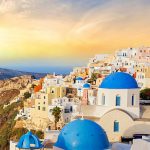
66,30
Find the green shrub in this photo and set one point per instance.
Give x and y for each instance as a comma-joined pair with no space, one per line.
145,94
27,95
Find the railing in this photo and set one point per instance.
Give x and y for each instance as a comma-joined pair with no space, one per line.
145,102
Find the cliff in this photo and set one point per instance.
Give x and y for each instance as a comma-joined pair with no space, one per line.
10,88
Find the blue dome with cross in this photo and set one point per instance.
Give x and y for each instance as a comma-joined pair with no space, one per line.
29,141
79,78
87,86
119,80
82,134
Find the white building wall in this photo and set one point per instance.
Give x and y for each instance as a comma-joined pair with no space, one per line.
97,111
147,83
127,125
51,135
69,109
80,92
140,144
13,145
125,100
98,57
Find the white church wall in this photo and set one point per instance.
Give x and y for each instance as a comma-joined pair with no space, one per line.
107,122
125,100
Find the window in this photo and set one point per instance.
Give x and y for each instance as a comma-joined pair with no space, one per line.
103,99
116,126
52,91
38,107
132,100
71,109
117,100
67,110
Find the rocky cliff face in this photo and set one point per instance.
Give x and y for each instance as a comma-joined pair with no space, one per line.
8,95
15,83
10,88
10,91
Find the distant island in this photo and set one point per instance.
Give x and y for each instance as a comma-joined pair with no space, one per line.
9,73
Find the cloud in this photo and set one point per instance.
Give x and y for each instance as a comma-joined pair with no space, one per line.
112,16
65,28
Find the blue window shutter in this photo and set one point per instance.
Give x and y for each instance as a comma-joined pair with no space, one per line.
132,100
116,126
117,100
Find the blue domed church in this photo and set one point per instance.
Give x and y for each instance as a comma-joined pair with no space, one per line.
82,134
119,90
116,114
118,110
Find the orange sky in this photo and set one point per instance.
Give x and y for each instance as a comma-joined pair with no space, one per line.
67,30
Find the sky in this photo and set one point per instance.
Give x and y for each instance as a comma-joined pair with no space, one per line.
38,34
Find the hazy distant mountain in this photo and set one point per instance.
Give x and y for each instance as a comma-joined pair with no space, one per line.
9,73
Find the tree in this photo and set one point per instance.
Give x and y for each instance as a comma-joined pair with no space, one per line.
56,112
40,134
94,77
16,133
27,95
145,94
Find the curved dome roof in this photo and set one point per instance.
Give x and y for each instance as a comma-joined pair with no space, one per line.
82,134
79,78
86,85
119,80
29,141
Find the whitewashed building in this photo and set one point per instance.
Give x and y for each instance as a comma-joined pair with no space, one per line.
69,107
118,109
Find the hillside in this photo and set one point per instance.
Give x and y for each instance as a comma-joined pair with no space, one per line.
9,73
8,95
11,88
15,83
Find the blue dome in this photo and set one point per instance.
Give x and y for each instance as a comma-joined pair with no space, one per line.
119,80
82,134
87,86
27,139
79,78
